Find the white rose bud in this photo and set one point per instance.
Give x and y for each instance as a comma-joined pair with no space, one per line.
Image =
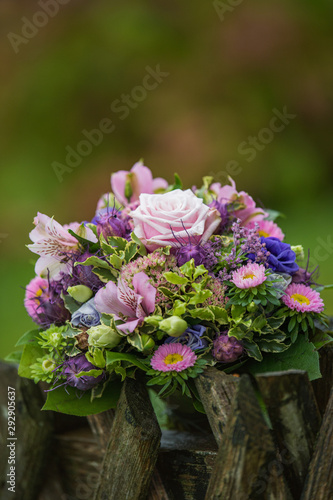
103,336
173,326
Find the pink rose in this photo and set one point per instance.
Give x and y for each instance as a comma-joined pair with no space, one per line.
178,216
248,212
127,186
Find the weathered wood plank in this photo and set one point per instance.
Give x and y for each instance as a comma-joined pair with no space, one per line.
133,447
101,425
295,418
216,390
33,431
246,466
319,481
322,386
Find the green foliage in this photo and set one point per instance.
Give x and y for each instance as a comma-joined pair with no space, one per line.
74,402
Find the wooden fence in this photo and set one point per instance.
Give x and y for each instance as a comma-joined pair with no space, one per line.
285,454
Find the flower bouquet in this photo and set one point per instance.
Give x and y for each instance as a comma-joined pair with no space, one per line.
165,282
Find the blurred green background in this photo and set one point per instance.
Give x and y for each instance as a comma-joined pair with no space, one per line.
228,68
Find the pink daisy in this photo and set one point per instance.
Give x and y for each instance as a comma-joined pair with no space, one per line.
36,288
267,228
303,298
249,276
173,357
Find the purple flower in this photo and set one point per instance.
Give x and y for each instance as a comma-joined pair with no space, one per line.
222,208
281,258
110,223
190,251
227,349
44,303
191,338
131,306
87,315
73,366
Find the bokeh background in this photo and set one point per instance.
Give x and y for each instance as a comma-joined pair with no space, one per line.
228,67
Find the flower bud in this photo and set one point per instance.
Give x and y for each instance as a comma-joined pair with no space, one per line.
147,342
299,251
227,349
103,336
80,293
173,326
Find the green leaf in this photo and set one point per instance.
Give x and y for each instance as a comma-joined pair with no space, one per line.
221,315
112,357
93,247
94,261
130,251
29,337
179,308
301,355
199,271
116,261
188,269
239,331
259,323
141,248
200,297
275,322
237,312
70,303
105,275
166,291
252,350
74,403
175,279
321,338
29,356
273,214
14,357
117,242
203,313
272,346
90,373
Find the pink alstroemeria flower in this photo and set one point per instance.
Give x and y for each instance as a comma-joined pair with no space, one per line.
55,244
131,306
139,180
229,194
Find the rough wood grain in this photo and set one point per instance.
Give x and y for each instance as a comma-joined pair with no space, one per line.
322,386
295,418
319,482
34,436
101,425
216,390
133,447
246,466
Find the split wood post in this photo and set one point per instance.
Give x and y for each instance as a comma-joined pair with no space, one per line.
216,390
295,418
322,386
246,464
133,447
319,482
33,433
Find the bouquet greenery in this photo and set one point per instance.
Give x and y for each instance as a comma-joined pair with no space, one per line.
165,281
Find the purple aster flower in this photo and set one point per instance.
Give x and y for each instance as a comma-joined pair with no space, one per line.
227,349
44,303
281,258
191,337
110,223
75,365
87,315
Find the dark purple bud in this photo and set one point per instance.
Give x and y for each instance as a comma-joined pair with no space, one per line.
187,252
227,349
110,223
73,366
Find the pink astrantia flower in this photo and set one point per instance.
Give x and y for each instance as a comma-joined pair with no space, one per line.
267,228
55,244
129,305
138,180
173,357
249,276
302,298
229,194
167,219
